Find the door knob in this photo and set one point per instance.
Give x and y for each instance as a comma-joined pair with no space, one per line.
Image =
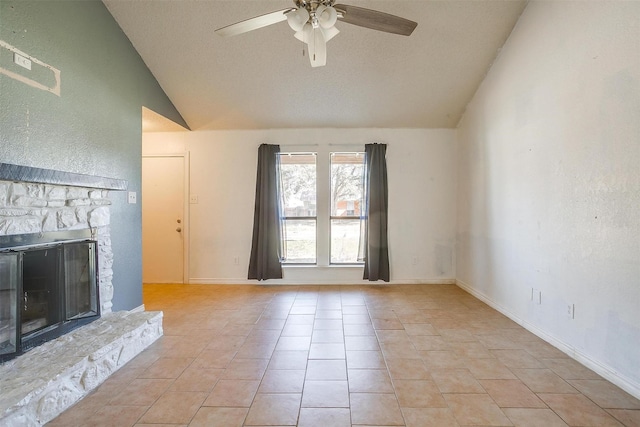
178,229
179,221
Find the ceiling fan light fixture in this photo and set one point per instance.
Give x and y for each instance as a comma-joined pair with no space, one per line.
329,33
297,19
327,16
307,33
317,47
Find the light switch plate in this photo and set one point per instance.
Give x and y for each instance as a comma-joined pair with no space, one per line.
21,61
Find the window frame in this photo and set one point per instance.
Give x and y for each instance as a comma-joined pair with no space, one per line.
323,199
284,217
348,217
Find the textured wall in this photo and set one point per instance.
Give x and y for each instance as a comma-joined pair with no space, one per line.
549,181
94,125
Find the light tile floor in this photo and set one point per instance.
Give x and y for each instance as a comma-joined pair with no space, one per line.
333,356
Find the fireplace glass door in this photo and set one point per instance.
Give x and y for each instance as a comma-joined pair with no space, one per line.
45,291
40,293
79,280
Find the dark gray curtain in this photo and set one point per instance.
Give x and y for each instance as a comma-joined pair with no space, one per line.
376,257
267,229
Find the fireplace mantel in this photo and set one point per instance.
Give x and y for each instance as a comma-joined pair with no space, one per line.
18,173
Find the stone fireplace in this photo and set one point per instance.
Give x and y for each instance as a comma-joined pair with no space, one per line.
41,383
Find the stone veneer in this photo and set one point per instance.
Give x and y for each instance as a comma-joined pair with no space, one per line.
27,208
38,385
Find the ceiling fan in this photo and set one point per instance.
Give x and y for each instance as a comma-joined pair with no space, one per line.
314,24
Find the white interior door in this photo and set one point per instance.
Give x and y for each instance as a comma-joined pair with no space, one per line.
163,227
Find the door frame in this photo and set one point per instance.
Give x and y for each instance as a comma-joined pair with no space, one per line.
185,208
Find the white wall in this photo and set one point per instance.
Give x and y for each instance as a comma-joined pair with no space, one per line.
154,143
549,178
421,174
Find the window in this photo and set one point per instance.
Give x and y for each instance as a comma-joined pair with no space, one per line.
298,180
346,200
321,205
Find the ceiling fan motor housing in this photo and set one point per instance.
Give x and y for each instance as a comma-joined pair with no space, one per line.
318,13
312,5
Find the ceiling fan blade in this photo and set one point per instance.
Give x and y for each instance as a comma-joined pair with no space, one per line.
375,20
254,23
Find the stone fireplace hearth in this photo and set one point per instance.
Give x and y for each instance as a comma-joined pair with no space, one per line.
38,385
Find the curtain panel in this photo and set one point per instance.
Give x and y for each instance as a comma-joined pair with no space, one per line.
264,262
376,256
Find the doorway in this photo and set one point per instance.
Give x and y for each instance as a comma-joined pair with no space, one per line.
165,218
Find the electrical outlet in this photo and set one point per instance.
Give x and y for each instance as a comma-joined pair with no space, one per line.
536,296
132,197
571,311
414,261
236,260
193,199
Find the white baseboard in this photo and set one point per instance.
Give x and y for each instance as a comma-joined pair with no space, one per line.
210,281
598,367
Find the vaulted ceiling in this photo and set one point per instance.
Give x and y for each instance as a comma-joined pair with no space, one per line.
261,79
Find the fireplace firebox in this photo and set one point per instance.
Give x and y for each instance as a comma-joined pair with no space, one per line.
48,287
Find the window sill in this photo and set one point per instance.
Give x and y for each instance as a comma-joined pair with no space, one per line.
329,267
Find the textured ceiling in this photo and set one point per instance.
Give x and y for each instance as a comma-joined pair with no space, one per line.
261,80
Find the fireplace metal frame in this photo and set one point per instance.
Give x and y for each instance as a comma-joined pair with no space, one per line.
42,241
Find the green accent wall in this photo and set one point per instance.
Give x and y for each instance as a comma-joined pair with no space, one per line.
95,125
